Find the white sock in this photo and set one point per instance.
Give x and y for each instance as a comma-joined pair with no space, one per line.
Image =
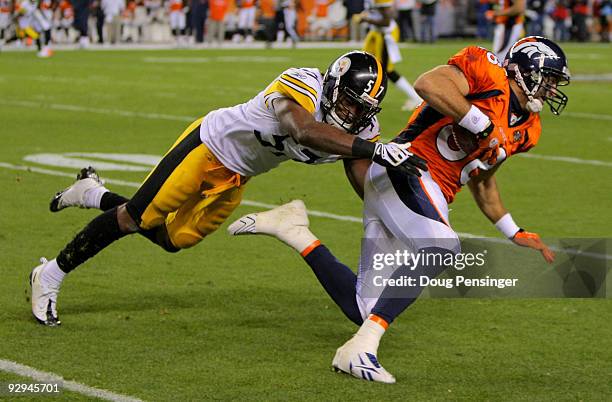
370,333
305,242
94,196
52,275
405,87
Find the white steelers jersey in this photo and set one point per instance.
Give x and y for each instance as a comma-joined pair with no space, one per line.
374,11
247,138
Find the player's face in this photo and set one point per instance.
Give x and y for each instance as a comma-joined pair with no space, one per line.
348,110
548,88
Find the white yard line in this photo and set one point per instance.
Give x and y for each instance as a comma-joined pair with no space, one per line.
589,116
43,376
320,214
116,112
567,159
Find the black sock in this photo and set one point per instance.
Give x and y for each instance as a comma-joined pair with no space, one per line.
337,279
97,235
111,200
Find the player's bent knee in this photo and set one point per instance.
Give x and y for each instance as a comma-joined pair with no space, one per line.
183,240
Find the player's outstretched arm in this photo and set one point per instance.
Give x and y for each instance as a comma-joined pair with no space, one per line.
485,192
305,130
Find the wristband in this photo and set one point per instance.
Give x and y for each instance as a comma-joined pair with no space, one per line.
362,148
507,226
474,120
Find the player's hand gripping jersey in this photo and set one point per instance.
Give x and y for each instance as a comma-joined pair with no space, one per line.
247,138
437,139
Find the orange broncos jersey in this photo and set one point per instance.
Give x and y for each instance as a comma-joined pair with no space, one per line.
247,3
66,9
176,5
429,131
5,6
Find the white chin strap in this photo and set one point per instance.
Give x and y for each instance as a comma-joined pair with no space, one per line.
534,105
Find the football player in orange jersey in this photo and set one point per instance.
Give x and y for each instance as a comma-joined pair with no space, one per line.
476,114
178,20
508,16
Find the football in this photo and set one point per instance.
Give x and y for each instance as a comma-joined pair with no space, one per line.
462,139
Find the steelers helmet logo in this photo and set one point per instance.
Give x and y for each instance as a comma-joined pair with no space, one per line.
341,67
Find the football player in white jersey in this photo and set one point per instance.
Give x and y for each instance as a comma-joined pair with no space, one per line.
381,41
301,115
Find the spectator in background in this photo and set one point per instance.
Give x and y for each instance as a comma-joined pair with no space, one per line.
128,29
405,19
99,16
5,19
267,20
199,13
246,19
560,16
66,17
112,18
602,11
353,9
140,19
535,16
483,25
178,20
428,15
580,13
290,20
215,24
81,16
320,23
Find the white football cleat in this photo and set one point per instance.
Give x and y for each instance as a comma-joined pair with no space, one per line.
288,223
74,196
44,298
353,358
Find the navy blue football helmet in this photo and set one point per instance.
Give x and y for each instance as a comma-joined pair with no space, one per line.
539,66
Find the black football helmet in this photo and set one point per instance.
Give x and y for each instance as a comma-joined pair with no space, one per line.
539,66
353,88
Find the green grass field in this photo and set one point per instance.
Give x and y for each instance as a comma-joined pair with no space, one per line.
245,318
